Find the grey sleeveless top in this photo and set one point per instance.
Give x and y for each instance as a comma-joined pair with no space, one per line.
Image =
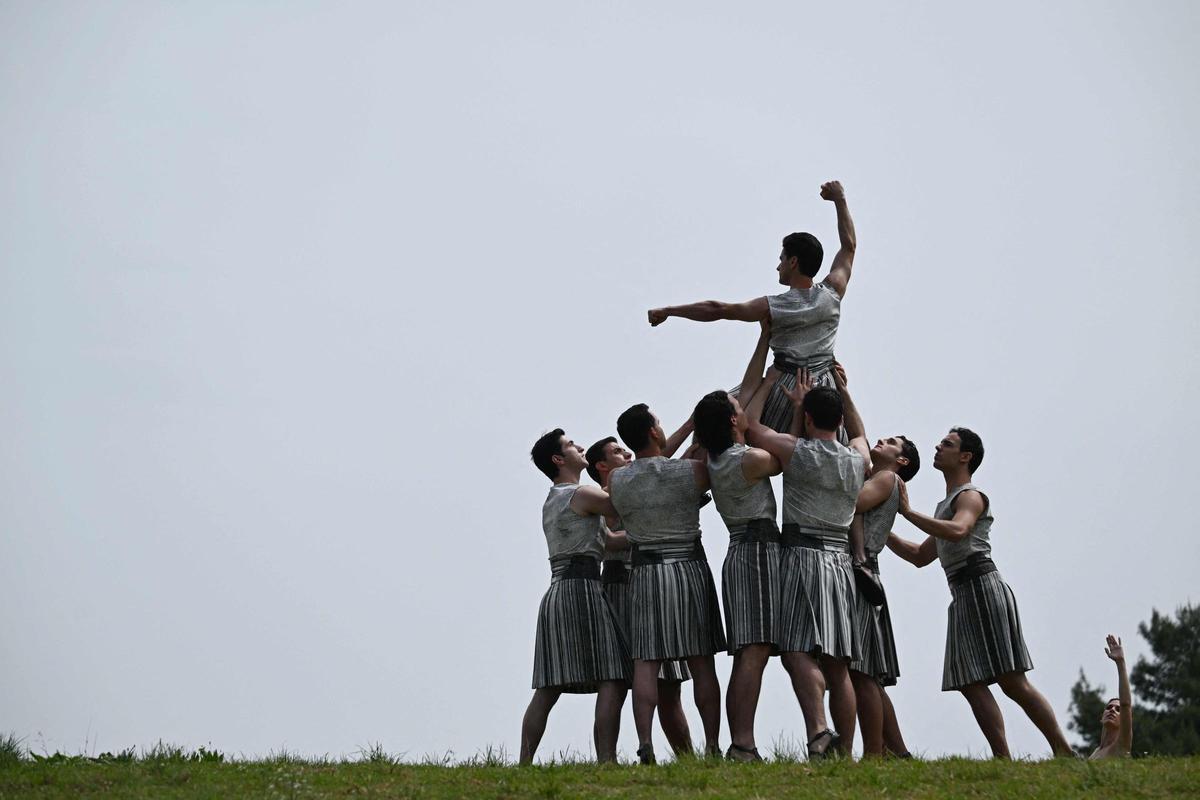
569,533
739,500
804,322
658,501
821,484
877,523
954,554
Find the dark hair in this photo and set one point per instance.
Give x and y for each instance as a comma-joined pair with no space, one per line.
805,248
909,451
824,404
634,426
971,443
545,449
595,454
713,426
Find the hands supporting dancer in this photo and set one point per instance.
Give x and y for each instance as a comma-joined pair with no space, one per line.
1116,734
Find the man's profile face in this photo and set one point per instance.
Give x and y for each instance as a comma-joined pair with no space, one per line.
787,266
615,457
947,451
887,451
572,454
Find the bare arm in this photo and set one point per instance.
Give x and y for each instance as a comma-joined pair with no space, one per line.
700,470
803,386
678,438
780,445
753,378
592,500
851,419
968,506
843,262
858,539
615,541
919,555
876,490
758,463
1116,652
711,310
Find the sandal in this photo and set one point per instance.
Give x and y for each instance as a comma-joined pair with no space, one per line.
645,754
815,754
745,755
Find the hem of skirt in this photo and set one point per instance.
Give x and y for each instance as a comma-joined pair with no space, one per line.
816,650
946,687
882,678
733,648
582,687
680,656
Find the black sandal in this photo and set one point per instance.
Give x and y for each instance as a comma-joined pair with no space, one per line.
747,755
645,754
814,754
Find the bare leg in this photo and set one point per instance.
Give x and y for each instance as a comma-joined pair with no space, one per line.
533,725
808,682
609,698
745,684
1037,708
672,719
891,726
870,696
645,698
987,714
706,691
842,705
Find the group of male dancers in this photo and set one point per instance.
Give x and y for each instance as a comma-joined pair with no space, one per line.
808,591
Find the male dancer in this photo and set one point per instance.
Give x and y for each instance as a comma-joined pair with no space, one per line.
579,647
894,461
603,457
821,482
984,641
675,610
804,319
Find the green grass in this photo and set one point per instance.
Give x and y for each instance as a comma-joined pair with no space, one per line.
164,771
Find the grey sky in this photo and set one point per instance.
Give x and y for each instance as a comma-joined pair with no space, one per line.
287,292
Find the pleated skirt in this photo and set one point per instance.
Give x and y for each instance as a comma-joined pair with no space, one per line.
618,597
817,603
777,412
750,589
579,642
675,612
983,634
876,642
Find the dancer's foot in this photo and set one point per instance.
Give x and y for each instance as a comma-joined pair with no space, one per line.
646,754
819,746
744,755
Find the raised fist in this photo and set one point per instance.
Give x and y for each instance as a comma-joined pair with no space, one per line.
833,191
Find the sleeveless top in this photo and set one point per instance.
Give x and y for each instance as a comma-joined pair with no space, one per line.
954,554
658,501
804,322
821,484
739,500
569,533
877,523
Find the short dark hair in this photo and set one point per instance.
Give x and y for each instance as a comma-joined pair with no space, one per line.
824,404
971,443
634,426
545,449
805,248
713,426
909,451
595,454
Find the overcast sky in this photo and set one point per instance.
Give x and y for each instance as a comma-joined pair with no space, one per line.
288,290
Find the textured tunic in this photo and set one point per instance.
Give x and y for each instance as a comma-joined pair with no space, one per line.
804,322
739,500
954,555
821,484
658,500
569,533
878,522
873,624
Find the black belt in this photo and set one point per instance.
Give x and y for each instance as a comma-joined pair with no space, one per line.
815,538
976,566
584,567
818,362
764,531
614,572
643,557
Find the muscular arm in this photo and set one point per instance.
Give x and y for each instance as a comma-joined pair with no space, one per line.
968,506
851,419
711,310
779,445
753,378
843,262
858,539
919,555
592,500
615,541
876,490
700,470
678,438
758,463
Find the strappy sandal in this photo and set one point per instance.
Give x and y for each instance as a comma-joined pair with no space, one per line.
745,755
645,754
814,754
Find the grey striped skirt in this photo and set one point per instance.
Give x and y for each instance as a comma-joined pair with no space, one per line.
579,642
675,611
618,596
818,598
876,643
983,633
750,588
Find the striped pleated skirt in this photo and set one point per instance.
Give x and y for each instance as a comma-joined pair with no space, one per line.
817,603
617,592
675,612
579,641
983,633
876,643
777,412
750,588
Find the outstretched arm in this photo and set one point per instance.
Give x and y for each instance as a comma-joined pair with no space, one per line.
711,310
796,395
752,380
919,555
678,437
1116,652
968,507
843,262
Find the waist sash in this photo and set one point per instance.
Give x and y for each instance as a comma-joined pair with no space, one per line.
976,566
817,362
764,531
614,572
585,567
832,540
643,556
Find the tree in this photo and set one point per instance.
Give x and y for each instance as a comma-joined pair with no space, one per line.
1166,714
